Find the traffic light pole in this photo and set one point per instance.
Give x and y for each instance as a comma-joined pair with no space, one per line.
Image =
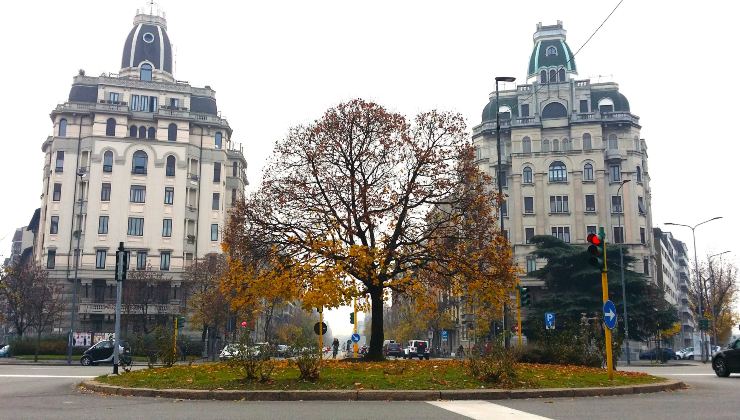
604,298
121,268
174,338
354,328
519,315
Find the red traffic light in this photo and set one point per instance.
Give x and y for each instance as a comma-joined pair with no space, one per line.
594,239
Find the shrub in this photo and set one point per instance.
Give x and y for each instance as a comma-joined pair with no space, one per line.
497,366
255,363
56,345
308,361
575,346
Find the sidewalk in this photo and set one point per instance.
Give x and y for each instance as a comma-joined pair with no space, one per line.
671,363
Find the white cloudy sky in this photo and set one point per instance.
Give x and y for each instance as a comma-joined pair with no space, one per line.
280,63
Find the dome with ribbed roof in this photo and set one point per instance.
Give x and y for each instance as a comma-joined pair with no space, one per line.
550,51
147,43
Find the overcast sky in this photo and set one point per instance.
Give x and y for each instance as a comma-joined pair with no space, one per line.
275,64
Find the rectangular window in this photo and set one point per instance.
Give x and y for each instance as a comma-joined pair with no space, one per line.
216,203
59,167
583,106
141,260
646,266
134,102
169,195
167,228
103,225
113,97
174,103
618,234
143,103
641,205
528,234
214,232
136,226
152,104
590,229
531,264
559,204
216,172
505,208
525,110
105,192
529,205
51,258
503,176
590,202
562,233
57,192
54,225
100,255
138,194
233,196
234,169
615,173
642,235
164,261
616,204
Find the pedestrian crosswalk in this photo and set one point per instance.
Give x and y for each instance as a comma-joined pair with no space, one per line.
483,410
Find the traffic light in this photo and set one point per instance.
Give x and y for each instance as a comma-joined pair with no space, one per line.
524,297
597,249
704,324
351,317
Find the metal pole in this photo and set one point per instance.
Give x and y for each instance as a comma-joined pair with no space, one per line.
355,346
701,295
72,315
519,315
607,331
624,289
120,268
499,184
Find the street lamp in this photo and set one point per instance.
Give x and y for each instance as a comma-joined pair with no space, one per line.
621,272
70,339
712,302
696,269
498,176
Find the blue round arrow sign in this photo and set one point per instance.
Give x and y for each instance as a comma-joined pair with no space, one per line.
610,314
356,337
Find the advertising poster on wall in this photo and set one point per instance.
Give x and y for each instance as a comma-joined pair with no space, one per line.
82,339
98,337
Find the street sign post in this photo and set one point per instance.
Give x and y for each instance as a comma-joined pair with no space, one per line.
610,314
355,338
549,320
443,335
120,276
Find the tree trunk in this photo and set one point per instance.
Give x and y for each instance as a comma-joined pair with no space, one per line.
376,327
38,344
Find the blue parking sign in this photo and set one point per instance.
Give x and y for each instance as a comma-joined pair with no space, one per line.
550,320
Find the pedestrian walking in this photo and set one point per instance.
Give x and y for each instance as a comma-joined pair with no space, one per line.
334,348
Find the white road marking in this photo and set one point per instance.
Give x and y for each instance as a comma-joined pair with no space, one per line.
483,410
685,374
46,376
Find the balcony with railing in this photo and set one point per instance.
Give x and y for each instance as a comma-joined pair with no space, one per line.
110,308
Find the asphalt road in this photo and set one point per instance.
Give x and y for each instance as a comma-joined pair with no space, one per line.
49,392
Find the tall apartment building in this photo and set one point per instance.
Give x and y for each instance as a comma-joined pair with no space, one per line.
567,146
672,276
141,158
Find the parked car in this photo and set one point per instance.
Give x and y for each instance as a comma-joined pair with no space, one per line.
235,349
5,350
102,352
417,348
653,354
283,350
727,361
686,353
393,349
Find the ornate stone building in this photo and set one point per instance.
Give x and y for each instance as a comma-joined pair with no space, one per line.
141,158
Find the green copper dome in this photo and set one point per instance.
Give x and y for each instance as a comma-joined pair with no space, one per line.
551,53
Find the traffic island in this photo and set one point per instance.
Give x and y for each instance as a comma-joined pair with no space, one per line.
375,381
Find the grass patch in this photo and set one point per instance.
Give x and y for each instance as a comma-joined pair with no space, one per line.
412,374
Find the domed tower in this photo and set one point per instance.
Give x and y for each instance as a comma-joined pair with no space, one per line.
147,53
552,60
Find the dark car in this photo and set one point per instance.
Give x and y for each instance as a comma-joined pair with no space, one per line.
393,349
103,353
658,354
727,361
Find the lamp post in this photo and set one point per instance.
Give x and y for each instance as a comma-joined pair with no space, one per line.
712,302
698,279
499,181
70,340
621,273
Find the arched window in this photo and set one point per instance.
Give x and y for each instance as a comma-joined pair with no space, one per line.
637,144
219,139
108,161
110,127
566,145
145,72
132,131
613,142
151,133
587,141
588,172
606,105
551,51
638,174
545,145
63,127
527,175
543,76
140,162
554,110
558,172
172,132
526,145
553,76
170,167
561,74
555,145
142,132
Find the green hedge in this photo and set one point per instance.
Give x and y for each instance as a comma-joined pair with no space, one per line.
48,345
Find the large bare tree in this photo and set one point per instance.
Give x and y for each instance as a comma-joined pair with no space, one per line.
716,284
361,202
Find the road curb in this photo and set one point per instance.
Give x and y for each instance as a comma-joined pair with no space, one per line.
381,395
